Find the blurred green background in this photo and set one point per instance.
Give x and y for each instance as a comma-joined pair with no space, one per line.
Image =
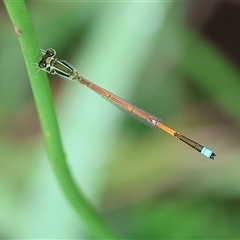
179,61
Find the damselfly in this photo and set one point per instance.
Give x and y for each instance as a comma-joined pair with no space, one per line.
53,65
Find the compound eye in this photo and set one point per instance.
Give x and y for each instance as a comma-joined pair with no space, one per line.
42,64
50,52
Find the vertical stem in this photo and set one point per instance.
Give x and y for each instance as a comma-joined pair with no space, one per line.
43,97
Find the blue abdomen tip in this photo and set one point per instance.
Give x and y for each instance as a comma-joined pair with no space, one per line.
207,153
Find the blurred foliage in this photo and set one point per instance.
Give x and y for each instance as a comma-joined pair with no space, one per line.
145,183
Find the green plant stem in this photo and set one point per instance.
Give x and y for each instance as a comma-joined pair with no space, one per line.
43,97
